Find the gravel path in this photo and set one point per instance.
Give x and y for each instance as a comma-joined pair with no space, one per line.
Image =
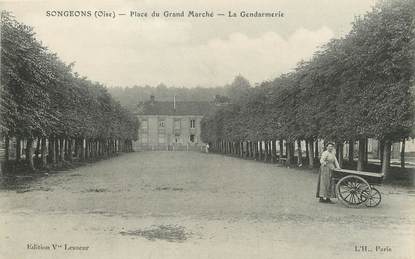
195,205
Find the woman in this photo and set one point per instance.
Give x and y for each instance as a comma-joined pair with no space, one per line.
328,161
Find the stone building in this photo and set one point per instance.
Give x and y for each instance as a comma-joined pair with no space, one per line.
170,125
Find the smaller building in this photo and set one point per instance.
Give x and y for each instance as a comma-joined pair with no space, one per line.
170,125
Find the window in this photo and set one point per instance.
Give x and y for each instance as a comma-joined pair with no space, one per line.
192,124
177,138
177,124
192,138
161,139
144,138
161,123
144,125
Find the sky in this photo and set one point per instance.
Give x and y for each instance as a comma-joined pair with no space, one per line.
187,52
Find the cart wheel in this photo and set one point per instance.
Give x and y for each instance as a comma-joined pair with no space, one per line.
373,197
352,191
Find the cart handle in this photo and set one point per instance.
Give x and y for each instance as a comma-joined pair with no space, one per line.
371,174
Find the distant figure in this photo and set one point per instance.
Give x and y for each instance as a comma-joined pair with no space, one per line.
328,161
207,148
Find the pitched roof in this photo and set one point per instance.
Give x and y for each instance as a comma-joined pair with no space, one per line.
167,108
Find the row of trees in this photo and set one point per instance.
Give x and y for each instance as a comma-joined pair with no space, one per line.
356,87
44,102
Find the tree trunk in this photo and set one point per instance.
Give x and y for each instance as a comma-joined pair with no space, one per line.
351,150
18,149
92,149
37,152
29,153
57,150
293,152
403,153
7,148
365,161
381,149
260,150
311,154
386,159
266,151
273,151
82,151
62,149
300,154
52,150
307,153
43,152
251,151
67,148
98,144
360,161
316,151
95,148
241,149
257,153
76,148
281,144
340,154
88,148
70,142
288,151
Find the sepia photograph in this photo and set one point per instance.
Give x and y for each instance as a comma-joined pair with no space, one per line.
207,129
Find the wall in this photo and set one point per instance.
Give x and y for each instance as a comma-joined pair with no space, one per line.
157,137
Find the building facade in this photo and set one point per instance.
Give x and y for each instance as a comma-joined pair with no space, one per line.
170,125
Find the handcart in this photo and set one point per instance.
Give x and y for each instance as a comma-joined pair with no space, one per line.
356,188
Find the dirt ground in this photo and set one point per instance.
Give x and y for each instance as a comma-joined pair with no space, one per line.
195,205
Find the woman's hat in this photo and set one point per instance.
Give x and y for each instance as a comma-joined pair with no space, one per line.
329,143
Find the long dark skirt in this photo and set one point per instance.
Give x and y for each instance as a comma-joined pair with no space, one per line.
325,188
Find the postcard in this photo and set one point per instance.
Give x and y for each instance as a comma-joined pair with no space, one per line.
207,129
